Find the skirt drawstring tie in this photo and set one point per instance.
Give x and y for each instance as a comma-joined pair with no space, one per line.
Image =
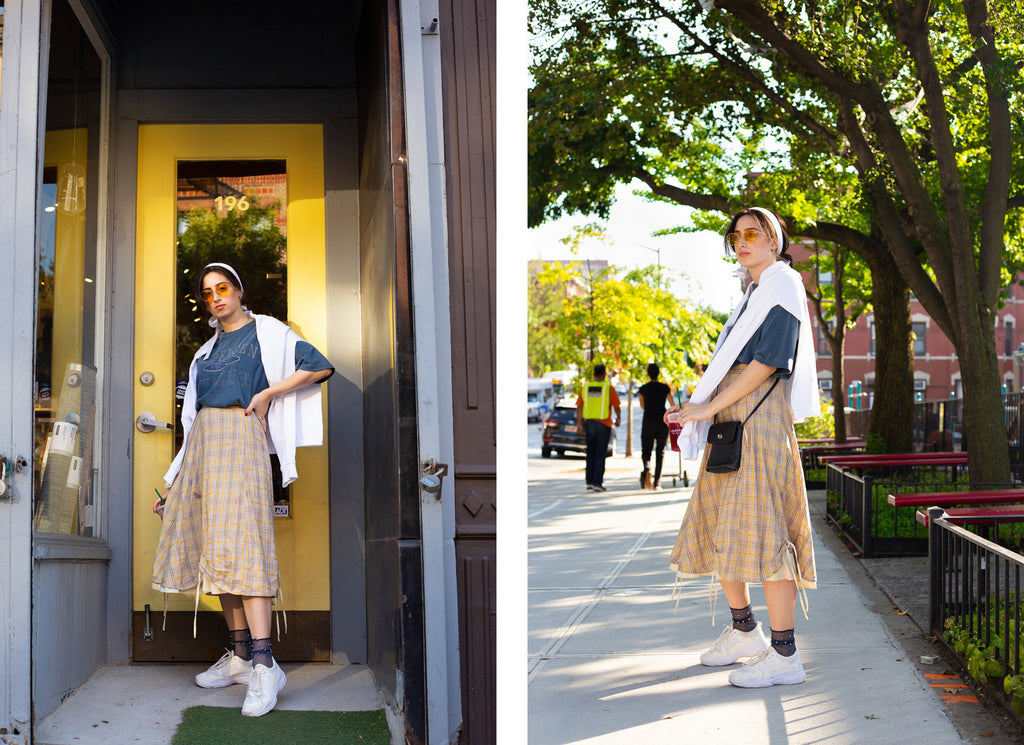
713,592
801,591
195,614
277,618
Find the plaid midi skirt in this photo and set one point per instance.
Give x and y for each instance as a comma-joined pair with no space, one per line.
218,528
753,524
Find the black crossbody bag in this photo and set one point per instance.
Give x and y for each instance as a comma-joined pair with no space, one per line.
725,441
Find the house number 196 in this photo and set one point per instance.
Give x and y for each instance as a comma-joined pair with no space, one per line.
231,202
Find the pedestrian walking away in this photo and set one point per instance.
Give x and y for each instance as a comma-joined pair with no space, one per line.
752,525
253,389
594,407
653,430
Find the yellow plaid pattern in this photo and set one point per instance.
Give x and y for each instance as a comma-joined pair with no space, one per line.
738,524
219,516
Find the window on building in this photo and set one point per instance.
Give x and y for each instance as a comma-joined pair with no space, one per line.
822,342
1008,338
871,329
918,329
66,355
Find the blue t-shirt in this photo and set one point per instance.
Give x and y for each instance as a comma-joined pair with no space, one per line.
774,343
233,373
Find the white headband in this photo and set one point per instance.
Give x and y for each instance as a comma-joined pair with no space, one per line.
775,226
213,319
235,274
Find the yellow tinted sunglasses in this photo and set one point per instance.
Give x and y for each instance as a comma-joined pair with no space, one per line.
748,236
222,288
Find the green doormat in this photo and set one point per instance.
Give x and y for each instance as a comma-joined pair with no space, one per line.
218,725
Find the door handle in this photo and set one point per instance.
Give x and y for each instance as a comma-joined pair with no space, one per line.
146,422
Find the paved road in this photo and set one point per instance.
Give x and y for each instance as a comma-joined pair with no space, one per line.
611,662
618,465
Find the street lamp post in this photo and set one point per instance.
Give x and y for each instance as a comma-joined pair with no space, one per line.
656,250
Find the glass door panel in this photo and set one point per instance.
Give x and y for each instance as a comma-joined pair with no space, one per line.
234,212
64,391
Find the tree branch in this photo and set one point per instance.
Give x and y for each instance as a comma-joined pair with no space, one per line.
891,225
1000,138
913,32
878,116
756,81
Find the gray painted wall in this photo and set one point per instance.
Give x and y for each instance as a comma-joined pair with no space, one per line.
68,618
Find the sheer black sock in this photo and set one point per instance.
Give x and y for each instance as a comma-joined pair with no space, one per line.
783,642
743,619
261,654
241,643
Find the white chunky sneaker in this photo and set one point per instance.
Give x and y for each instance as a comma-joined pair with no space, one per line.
228,670
769,668
264,685
733,644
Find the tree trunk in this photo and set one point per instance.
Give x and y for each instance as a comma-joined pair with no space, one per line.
892,411
835,345
988,456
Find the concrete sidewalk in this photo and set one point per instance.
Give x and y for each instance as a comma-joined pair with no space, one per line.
610,662
143,704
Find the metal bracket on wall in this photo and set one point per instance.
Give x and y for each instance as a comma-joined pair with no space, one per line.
431,474
7,470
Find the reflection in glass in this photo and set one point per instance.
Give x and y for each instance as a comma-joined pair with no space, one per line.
233,212
65,380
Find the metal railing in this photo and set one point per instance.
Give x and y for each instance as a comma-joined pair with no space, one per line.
857,504
976,584
937,425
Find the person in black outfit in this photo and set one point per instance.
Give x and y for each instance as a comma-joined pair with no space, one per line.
653,431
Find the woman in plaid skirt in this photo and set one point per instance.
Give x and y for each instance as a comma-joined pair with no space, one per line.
252,390
752,525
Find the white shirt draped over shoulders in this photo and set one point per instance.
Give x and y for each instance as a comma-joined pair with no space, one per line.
295,419
779,285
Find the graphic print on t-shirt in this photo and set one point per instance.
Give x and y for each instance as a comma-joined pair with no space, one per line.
233,373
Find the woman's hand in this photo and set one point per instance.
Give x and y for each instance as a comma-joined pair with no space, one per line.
697,412
670,410
158,504
259,406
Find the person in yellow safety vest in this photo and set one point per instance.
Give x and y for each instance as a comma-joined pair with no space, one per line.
594,415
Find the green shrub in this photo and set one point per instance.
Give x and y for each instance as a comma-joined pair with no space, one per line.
819,426
876,444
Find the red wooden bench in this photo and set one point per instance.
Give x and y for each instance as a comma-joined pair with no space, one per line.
896,458
978,515
949,498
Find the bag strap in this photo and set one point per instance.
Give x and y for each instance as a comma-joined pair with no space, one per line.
762,400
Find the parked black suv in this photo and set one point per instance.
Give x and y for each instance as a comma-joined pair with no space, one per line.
560,434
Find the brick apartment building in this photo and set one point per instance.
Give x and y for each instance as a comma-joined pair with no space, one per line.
936,366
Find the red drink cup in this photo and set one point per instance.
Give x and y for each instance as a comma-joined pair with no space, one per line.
674,428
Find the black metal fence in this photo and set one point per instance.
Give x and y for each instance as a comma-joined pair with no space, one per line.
857,504
976,603
938,425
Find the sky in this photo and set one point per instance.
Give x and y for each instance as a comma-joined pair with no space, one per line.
694,260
